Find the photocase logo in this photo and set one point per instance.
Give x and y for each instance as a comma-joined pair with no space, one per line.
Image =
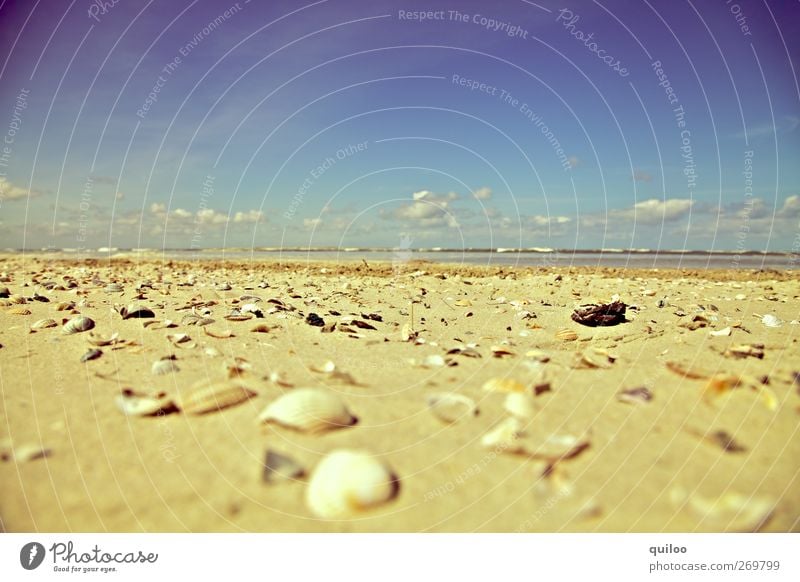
31,555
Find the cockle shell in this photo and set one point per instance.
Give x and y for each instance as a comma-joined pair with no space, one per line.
97,340
78,324
450,407
309,410
347,482
215,397
566,335
19,311
44,323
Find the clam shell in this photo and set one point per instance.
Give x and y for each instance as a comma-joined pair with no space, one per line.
44,324
92,354
218,334
770,320
78,324
215,397
164,366
132,403
135,311
594,358
96,340
450,407
114,288
566,335
19,311
347,482
309,410
503,385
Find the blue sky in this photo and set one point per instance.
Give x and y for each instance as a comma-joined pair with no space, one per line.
354,123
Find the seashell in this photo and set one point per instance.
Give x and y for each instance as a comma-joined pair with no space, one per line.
132,403
501,351
180,339
730,512
164,366
450,407
114,288
218,334
434,361
96,340
594,358
215,397
16,300
407,333
4,293
538,356
520,405
223,287
155,324
65,306
771,321
250,298
635,395
278,467
566,335
25,453
212,352
720,333
44,324
135,311
78,325
251,308
237,315
503,385
745,350
308,409
92,354
558,447
506,437
19,311
347,482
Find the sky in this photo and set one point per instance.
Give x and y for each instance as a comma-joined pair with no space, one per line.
457,124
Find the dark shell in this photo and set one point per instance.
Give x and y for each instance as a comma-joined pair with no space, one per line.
600,315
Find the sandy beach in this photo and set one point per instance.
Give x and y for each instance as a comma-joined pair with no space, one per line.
682,417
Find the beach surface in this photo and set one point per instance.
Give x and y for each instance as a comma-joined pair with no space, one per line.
682,417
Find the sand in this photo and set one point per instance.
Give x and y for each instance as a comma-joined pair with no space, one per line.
650,465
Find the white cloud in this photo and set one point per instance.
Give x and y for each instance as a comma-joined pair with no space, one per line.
311,223
181,213
656,211
211,216
791,207
158,208
251,216
484,193
9,191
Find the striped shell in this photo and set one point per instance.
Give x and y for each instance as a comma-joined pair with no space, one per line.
566,335
19,311
44,324
78,324
309,410
215,397
347,482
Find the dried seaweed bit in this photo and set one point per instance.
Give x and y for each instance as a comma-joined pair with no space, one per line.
635,395
745,351
600,315
733,512
726,441
315,320
279,468
372,316
92,354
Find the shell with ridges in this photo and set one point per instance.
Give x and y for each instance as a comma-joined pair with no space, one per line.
308,410
78,324
347,482
215,397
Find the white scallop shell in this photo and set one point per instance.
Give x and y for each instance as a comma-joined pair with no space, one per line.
78,324
347,482
308,410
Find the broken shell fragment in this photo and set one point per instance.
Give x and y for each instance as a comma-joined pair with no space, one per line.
133,403
25,453
635,395
134,311
78,325
164,366
278,467
215,397
745,351
92,354
600,315
309,410
771,321
450,407
594,358
44,324
347,482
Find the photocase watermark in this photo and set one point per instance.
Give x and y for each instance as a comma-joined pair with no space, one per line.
568,19
473,471
486,22
100,8
747,209
84,206
741,19
687,153
10,136
506,98
206,192
169,69
316,173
